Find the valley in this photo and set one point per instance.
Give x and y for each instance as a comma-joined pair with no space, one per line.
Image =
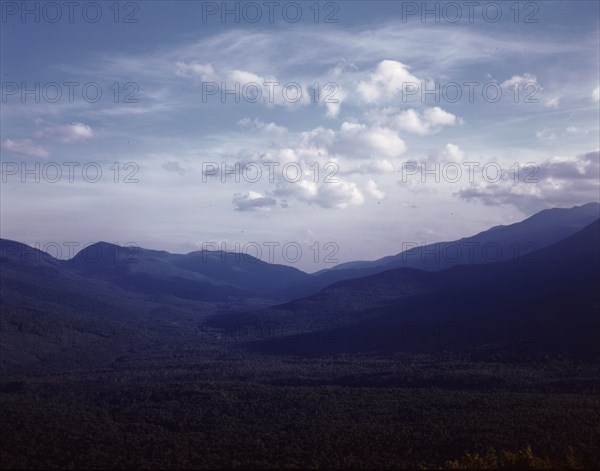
173,361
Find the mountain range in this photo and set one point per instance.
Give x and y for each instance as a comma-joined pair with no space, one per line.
531,284
514,241
546,302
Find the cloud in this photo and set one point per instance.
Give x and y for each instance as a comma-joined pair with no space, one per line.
552,102
258,125
354,139
253,201
576,130
374,191
450,153
596,94
552,135
428,121
585,166
24,147
343,67
372,148
521,80
174,166
494,194
68,133
557,181
546,135
204,72
454,152
389,78
319,157
213,57
243,85
333,100
373,167
338,194
438,117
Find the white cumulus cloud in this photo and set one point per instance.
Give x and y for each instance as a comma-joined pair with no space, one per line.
24,147
253,201
374,190
422,123
389,78
68,133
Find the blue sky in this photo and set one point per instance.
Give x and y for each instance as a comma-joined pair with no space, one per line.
378,137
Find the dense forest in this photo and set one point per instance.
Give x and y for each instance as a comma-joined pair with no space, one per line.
199,407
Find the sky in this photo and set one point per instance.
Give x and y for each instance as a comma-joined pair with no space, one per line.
304,133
